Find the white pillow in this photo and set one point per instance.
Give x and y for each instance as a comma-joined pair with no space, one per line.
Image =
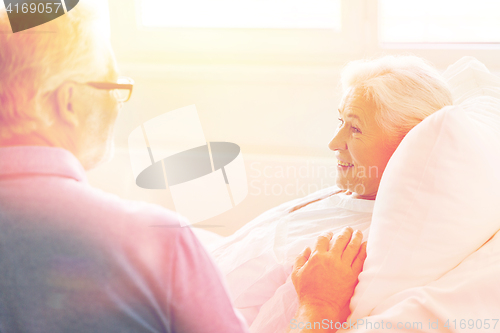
470,78
439,197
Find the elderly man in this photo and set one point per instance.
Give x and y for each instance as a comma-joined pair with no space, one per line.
73,258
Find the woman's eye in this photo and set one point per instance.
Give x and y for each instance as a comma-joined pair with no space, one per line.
355,129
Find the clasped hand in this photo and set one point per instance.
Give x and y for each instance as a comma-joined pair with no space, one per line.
327,276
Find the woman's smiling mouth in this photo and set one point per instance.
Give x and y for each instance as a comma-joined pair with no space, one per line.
344,164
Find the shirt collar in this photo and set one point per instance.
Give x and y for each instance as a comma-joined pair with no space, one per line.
40,160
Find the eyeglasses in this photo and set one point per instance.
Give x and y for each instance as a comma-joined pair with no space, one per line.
122,88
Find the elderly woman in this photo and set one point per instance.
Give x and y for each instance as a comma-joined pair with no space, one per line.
383,100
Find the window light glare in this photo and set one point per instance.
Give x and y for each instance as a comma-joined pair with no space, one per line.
439,21
288,14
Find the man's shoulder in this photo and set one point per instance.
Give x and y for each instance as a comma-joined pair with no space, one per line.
132,223
143,212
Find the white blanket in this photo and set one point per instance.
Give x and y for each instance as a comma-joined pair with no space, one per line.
258,259
466,299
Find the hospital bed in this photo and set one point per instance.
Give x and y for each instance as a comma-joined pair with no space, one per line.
433,253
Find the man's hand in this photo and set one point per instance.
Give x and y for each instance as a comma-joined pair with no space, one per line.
326,278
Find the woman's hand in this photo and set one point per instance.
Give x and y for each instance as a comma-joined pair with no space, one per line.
326,278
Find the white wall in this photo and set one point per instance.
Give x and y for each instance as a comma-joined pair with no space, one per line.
282,118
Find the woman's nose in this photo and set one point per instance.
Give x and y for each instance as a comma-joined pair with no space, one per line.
338,142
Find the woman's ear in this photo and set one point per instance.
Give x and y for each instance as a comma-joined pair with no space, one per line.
65,104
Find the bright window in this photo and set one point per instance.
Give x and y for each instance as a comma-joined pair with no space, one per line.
439,21
285,14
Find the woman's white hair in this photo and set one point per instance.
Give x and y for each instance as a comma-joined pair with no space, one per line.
403,89
33,64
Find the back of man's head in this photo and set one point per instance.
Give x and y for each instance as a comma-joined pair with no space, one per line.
35,62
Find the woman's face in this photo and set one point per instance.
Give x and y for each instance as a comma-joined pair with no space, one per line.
362,148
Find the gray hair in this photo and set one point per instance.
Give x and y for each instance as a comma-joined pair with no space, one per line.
403,89
34,64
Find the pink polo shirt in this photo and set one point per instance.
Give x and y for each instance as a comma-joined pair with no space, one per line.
77,259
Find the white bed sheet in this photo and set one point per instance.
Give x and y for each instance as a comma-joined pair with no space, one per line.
258,259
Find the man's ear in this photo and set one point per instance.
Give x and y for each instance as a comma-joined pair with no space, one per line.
66,104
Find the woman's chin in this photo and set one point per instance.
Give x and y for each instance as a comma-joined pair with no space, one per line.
342,183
